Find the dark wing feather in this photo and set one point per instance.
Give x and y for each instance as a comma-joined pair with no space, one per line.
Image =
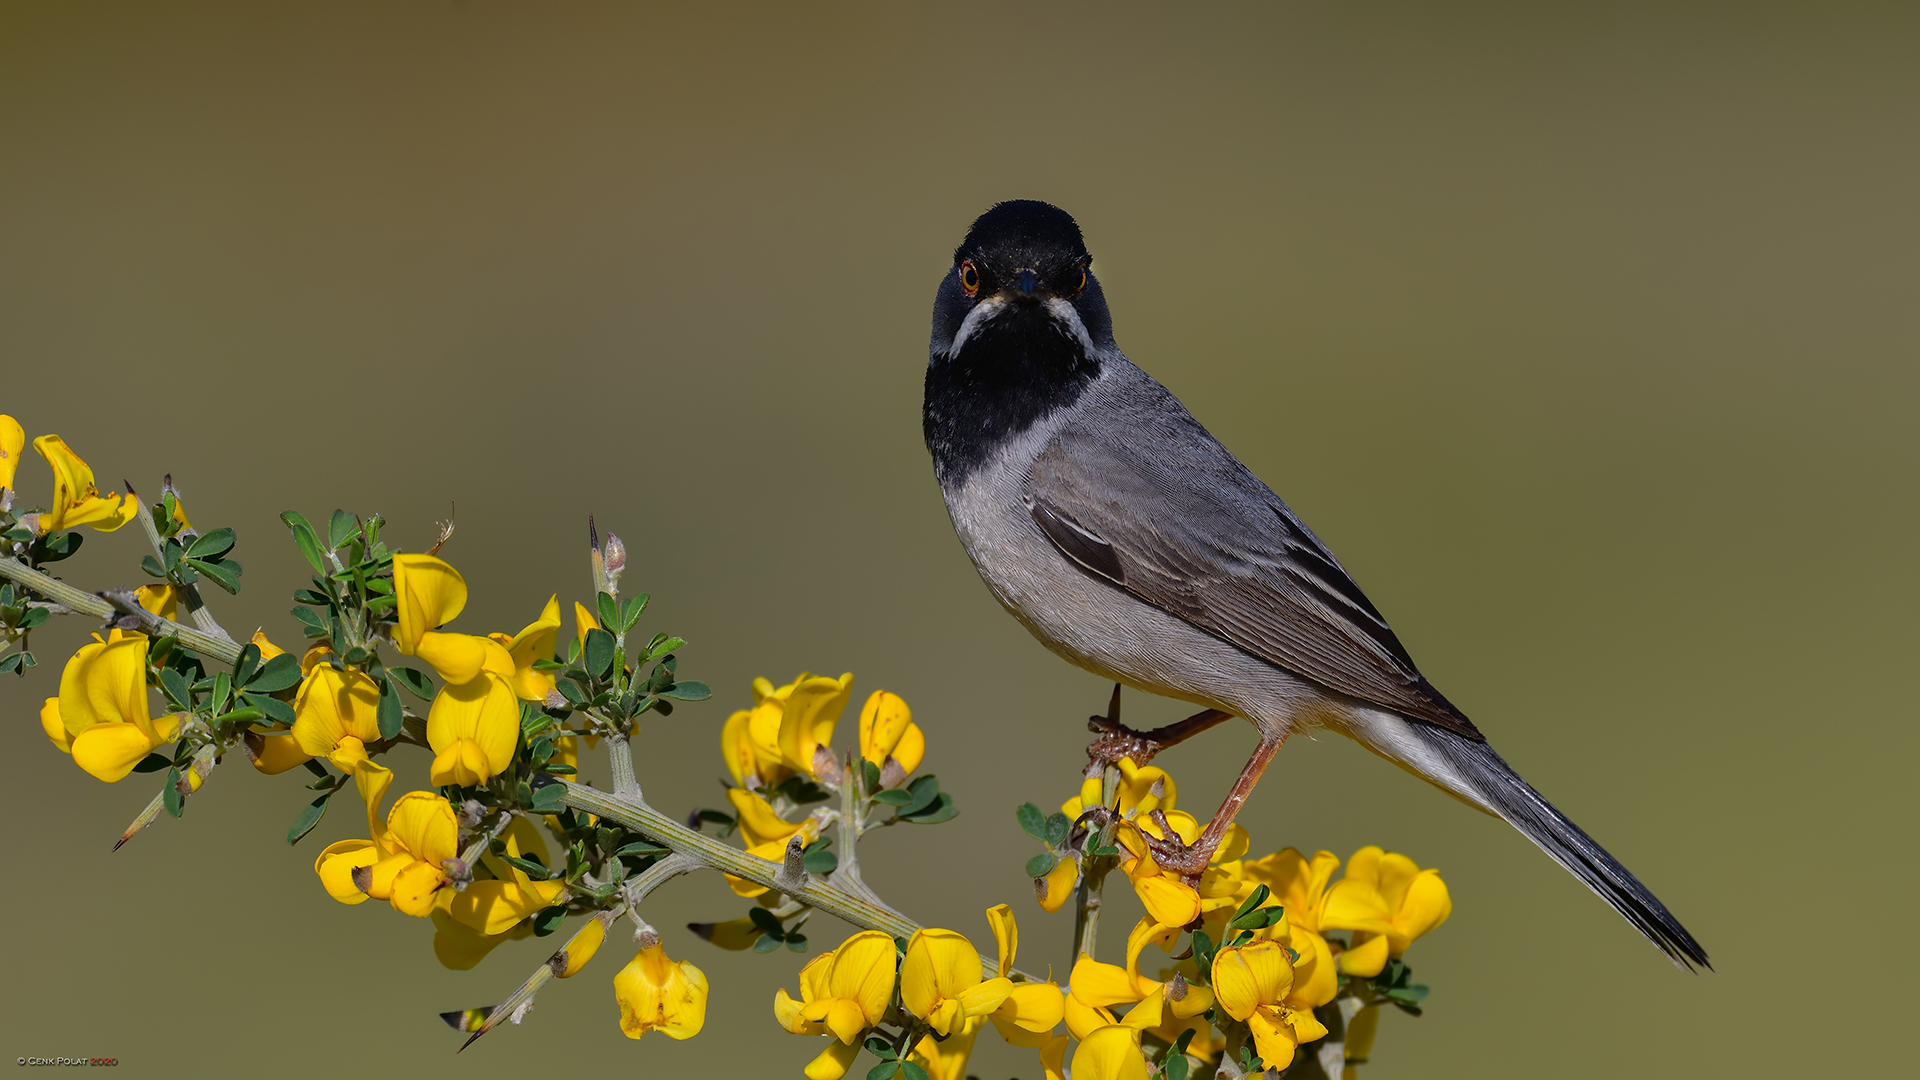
1177,521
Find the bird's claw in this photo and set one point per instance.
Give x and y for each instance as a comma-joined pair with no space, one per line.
1174,855
1114,741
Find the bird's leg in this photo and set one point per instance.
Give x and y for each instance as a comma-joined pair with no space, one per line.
1116,741
1189,860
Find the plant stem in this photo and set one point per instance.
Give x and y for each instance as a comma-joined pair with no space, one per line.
710,852
1086,921
85,603
625,784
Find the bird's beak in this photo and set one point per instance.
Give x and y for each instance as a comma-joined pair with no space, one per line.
1027,282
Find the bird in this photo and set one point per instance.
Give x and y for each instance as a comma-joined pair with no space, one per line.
1130,542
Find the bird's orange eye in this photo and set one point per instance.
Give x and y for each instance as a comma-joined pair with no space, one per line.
969,277
1083,281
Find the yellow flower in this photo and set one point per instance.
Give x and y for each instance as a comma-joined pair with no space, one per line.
1300,886
750,742
162,600
460,947
1098,987
12,440
536,642
1031,1010
658,994
580,949
733,935
887,731
940,981
808,718
473,728
1253,983
462,658
843,992
1110,1053
76,500
1388,902
493,907
764,833
335,716
402,863
429,594
273,753
946,1059
1052,891
102,715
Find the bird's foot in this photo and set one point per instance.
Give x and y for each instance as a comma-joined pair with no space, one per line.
1114,740
1174,855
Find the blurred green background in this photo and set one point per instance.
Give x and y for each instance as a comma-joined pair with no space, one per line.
1586,336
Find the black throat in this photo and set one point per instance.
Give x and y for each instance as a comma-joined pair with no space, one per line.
1013,371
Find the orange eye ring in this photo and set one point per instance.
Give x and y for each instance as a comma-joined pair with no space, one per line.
969,277
1083,281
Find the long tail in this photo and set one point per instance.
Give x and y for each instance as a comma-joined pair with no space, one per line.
1473,772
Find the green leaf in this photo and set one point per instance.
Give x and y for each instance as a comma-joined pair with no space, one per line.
1177,1066
244,667
869,775
766,943
304,538
211,545
912,1071
818,859
315,623
1203,951
1254,900
894,797
941,809
54,547
661,646
152,566
1258,918
390,714
630,610
608,611
1058,825
416,682
276,710
240,716
528,867
599,661
170,554
308,818
550,799
884,1071
170,795
688,690
340,529
275,675
153,763
548,919
924,790
1041,865
880,1048
766,921
797,943
174,685
225,574
1032,822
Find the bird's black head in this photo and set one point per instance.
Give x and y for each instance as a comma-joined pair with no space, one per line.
1019,329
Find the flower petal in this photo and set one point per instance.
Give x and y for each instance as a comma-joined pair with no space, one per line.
430,593
110,751
1111,1053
